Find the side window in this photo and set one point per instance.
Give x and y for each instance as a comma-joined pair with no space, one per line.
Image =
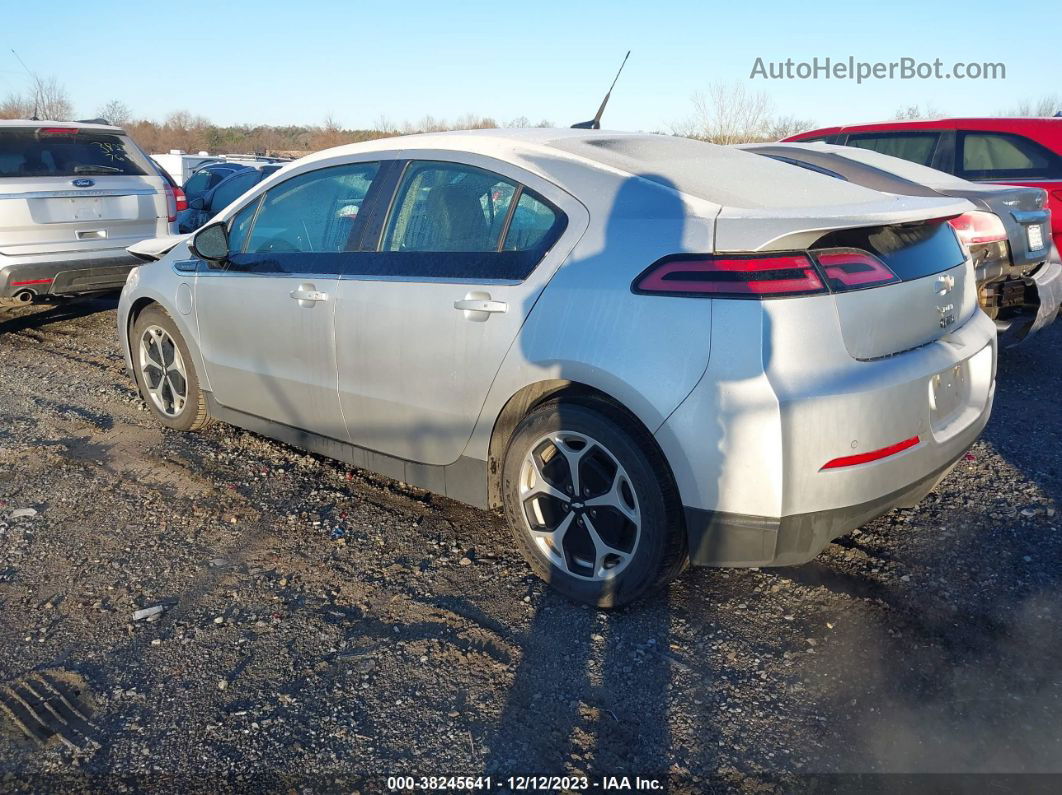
312,212
198,183
532,224
985,155
231,189
447,207
917,147
240,224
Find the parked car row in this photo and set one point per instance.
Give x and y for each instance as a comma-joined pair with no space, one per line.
493,316
1019,274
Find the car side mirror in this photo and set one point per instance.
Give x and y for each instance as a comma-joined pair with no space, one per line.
211,243
198,203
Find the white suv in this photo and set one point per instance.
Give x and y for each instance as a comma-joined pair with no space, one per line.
73,196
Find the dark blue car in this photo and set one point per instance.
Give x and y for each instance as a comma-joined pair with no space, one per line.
206,205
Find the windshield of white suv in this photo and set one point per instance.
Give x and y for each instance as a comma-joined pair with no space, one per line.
68,152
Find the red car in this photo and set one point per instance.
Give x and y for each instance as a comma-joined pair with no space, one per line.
1012,151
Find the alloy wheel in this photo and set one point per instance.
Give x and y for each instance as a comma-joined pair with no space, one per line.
580,505
163,371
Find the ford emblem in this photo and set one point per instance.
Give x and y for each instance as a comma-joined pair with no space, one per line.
83,183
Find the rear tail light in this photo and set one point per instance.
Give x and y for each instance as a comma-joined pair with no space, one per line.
181,199
57,131
171,203
853,269
732,276
978,227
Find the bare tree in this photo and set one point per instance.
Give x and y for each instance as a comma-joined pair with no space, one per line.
730,114
784,126
16,106
52,101
916,112
116,112
1047,105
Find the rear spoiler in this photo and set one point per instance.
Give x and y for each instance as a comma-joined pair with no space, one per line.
784,228
155,248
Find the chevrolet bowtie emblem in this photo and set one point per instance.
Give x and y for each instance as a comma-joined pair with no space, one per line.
945,284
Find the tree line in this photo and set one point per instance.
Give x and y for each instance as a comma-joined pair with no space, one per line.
725,113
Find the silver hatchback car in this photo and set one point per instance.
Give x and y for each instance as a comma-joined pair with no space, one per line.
648,351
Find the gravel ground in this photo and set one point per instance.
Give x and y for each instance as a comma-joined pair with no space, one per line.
323,628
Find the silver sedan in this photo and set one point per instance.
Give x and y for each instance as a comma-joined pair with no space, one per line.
647,351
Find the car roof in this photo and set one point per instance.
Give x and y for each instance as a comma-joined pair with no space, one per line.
48,123
719,174
992,123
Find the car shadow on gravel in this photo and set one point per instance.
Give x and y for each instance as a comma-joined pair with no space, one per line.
40,316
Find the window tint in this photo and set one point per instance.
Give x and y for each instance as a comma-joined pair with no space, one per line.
916,147
198,183
531,224
312,212
988,155
35,153
229,190
446,207
241,224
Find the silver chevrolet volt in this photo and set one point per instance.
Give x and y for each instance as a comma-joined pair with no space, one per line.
647,351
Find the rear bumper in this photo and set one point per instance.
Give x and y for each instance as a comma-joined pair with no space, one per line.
760,449
1041,310
727,539
73,275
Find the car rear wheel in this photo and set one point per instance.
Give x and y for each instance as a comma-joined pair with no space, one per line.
590,505
165,374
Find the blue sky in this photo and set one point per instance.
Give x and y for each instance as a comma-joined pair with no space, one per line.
295,62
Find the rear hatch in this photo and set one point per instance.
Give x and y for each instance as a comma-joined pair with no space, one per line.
925,290
73,189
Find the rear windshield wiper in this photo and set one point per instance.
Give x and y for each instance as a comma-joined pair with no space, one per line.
96,170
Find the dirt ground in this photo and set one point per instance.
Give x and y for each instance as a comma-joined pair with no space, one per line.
323,629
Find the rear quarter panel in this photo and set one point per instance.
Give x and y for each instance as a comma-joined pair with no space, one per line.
646,352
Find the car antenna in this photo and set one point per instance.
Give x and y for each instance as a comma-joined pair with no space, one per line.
595,123
37,81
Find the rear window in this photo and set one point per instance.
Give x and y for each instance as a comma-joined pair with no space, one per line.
1006,156
912,251
35,153
916,147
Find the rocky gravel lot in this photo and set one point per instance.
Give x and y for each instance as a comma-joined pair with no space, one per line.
321,629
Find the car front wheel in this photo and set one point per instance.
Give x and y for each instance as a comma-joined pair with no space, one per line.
165,374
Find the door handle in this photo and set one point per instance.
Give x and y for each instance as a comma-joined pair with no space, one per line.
308,295
479,306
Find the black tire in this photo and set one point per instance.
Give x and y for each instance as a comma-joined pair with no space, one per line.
193,415
660,551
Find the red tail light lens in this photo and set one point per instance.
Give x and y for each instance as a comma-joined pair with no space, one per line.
978,227
171,204
734,276
182,200
57,131
854,269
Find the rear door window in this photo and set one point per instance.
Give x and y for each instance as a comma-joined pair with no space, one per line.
449,207
56,152
456,221
989,155
918,147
